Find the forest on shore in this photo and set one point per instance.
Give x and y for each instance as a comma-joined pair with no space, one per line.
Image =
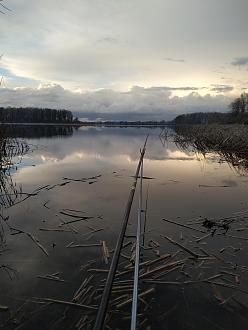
238,114
34,115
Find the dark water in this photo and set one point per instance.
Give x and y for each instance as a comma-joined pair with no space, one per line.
186,186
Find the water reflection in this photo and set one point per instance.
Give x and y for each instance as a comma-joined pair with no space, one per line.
36,131
89,174
12,151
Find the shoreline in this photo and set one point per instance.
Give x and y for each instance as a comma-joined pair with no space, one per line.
90,124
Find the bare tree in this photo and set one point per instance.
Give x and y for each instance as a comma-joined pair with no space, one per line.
240,104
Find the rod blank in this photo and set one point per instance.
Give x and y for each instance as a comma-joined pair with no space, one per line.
137,256
100,318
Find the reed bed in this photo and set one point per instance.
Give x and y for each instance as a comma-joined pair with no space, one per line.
229,141
11,152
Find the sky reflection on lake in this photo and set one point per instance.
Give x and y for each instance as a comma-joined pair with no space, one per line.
182,185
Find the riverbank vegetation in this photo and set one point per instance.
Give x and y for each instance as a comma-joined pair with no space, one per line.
11,152
229,141
222,133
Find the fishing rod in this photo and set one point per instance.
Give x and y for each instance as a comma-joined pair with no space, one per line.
145,220
100,318
137,256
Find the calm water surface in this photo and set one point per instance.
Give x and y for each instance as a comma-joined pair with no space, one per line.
185,186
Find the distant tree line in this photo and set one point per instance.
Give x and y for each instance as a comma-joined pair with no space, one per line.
240,104
123,123
238,114
199,118
34,115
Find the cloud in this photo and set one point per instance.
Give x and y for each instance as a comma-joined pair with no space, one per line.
170,59
155,103
221,88
240,61
167,88
110,40
117,44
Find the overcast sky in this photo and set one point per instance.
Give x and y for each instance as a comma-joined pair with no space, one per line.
159,57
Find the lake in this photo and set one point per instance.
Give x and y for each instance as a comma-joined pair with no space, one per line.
71,188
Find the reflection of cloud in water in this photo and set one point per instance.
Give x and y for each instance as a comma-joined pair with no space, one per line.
180,155
80,155
78,165
95,151
48,158
109,143
105,154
